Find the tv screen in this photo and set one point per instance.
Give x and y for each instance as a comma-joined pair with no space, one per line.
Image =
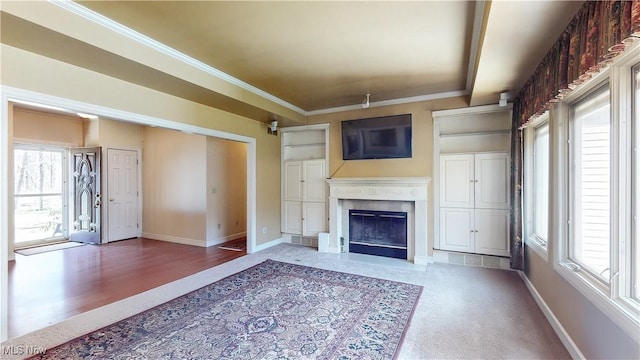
387,137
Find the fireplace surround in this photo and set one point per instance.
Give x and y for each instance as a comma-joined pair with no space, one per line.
388,194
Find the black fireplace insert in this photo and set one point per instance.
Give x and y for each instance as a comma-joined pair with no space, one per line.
382,233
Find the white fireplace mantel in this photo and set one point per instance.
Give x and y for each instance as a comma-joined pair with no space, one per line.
413,189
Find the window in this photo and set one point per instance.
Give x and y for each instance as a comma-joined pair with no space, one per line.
537,185
39,194
589,183
596,191
635,261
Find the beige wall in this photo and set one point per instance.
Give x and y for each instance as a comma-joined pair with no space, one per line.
46,128
174,186
119,134
226,190
595,335
33,72
421,163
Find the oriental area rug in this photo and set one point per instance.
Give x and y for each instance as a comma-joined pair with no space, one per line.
273,310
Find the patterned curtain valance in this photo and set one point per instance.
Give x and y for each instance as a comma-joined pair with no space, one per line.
598,32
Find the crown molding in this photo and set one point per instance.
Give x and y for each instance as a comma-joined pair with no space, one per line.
166,50
118,28
406,100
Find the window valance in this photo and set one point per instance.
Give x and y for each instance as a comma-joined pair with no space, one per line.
598,32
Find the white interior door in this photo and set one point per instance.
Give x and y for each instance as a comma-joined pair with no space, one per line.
457,181
293,180
457,229
492,181
314,218
314,181
122,194
292,217
492,236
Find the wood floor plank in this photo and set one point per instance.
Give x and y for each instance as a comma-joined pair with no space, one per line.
47,288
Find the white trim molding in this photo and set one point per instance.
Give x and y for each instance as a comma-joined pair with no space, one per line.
166,50
566,340
144,40
174,239
406,100
220,240
267,245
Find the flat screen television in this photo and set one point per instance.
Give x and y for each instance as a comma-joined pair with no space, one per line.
387,137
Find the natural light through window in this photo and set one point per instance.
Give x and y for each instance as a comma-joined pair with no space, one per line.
635,261
39,193
541,181
536,185
590,163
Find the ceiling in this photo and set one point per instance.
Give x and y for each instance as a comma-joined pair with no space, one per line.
295,59
324,55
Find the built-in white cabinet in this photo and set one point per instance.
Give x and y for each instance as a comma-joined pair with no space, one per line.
304,189
475,180
474,203
304,197
471,173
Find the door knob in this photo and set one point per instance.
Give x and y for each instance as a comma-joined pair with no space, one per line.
111,199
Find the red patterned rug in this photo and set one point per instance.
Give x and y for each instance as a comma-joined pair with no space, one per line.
273,310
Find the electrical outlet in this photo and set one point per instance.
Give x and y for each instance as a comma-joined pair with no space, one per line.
264,230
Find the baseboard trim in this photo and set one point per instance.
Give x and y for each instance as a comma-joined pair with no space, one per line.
174,239
568,343
267,245
218,241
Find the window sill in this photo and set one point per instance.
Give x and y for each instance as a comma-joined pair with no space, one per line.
537,247
616,310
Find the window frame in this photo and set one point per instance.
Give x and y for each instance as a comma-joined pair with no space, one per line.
634,266
613,300
64,193
536,242
574,137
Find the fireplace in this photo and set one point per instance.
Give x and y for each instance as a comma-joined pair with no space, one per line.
381,233
407,195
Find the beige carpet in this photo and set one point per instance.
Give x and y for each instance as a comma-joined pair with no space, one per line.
463,313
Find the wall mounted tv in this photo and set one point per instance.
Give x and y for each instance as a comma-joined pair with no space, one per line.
387,137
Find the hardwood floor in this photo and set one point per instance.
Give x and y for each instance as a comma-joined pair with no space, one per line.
47,288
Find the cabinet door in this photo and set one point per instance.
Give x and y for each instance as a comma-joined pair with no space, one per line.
314,218
456,181
492,181
456,229
292,217
293,181
492,236
314,183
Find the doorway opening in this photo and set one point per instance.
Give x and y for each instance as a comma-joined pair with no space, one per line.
40,194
